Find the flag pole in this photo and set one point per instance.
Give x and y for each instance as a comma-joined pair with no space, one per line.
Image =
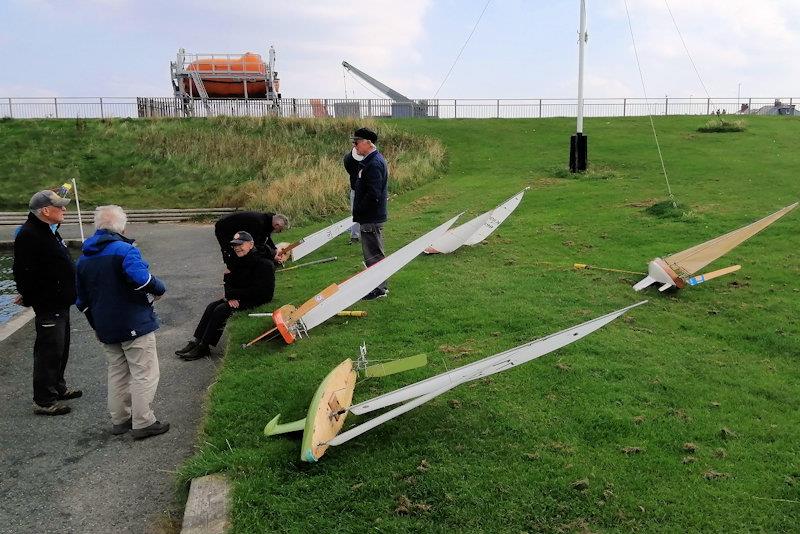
578,146
78,207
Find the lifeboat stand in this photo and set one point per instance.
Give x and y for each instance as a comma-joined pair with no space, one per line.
192,73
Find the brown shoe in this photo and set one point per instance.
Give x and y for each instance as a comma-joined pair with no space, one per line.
153,430
53,409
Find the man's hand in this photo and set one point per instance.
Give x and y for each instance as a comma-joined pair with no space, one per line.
18,300
233,303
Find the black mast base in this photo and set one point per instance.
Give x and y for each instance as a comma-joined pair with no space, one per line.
578,151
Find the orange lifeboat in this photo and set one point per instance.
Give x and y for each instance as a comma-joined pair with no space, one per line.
227,77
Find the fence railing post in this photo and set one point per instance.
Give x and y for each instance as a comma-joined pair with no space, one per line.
55,103
749,105
10,109
666,106
624,107
455,108
102,114
540,108
498,108
708,106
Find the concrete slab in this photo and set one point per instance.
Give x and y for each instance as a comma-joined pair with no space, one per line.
208,506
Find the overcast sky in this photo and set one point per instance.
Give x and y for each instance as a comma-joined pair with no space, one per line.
521,49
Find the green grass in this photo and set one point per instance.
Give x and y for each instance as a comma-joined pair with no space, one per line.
229,162
704,382
699,387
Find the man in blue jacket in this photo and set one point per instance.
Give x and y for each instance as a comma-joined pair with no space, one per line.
116,292
370,198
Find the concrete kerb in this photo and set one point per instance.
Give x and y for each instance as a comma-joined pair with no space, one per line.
208,506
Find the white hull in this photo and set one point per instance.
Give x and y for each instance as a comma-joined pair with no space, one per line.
320,238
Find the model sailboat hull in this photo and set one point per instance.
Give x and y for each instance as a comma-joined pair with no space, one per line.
318,239
476,230
676,270
293,323
332,400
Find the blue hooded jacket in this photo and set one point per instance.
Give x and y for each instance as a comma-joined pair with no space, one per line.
113,285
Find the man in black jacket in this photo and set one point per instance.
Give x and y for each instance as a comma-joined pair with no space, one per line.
370,201
45,278
259,225
250,283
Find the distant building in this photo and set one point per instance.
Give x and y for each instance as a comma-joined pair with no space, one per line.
778,108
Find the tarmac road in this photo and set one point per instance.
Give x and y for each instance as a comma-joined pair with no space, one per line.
68,473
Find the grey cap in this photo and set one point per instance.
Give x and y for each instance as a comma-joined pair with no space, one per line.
241,237
45,198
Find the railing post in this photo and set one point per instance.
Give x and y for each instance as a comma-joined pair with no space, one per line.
10,109
708,106
749,105
102,115
498,108
666,105
455,108
540,108
624,107
55,103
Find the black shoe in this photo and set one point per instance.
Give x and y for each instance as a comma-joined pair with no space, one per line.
189,346
122,427
153,430
53,409
376,293
200,351
70,394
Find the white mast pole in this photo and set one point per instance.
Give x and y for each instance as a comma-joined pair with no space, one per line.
78,207
582,38
578,147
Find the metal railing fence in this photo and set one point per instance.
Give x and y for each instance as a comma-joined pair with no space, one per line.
501,108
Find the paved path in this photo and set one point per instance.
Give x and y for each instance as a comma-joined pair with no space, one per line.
68,473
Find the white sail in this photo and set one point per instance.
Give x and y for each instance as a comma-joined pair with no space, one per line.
359,285
490,365
498,215
318,239
456,237
693,259
391,414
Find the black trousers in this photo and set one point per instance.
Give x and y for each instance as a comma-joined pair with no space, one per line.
372,246
50,355
212,323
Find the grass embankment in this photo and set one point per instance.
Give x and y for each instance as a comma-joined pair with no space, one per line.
220,162
680,417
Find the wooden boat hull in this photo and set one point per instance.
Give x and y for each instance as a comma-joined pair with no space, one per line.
327,411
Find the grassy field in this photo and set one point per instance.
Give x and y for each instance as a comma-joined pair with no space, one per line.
253,163
682,416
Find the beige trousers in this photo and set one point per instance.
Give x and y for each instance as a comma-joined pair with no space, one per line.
132,380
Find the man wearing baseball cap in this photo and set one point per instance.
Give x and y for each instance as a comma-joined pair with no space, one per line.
45,278
370,197
250,282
